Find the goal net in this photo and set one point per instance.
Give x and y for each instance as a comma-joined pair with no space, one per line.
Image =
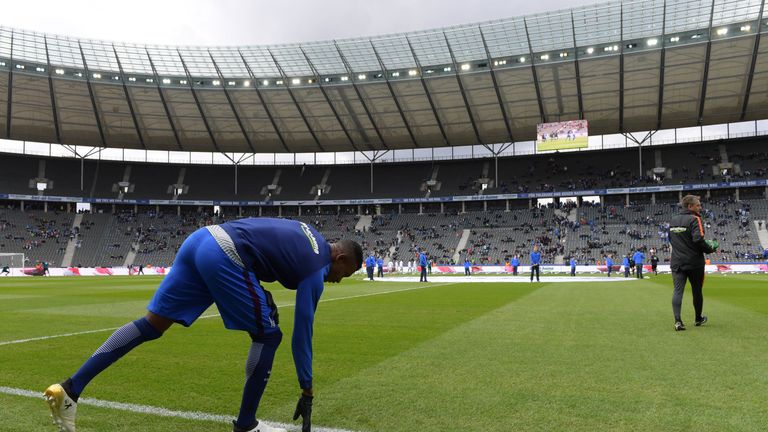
12,260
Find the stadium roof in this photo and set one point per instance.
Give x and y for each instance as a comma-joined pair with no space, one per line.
624,66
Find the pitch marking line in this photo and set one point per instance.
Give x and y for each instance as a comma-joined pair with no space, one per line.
159,411
18,341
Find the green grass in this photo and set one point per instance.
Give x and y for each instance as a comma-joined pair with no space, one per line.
437,357
563,144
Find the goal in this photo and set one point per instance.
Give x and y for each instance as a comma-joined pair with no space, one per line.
12,260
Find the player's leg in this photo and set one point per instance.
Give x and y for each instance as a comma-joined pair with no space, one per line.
164,310
258,368
697,283
679,279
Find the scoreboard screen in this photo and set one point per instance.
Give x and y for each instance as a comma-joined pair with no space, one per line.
562,135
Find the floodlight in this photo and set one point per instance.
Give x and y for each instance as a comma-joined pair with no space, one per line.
296,81
465,67
246,83
59,71
97,75
722,31
395,74
746,28
545,57
345,78
674,39
265,82
166,80
361,77
590,50
413,72
653,42
216,82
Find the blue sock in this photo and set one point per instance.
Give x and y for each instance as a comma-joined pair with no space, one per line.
122,340
257,371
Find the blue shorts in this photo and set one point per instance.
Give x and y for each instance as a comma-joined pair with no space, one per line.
203,274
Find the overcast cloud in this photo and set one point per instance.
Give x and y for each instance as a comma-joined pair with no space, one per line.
242,22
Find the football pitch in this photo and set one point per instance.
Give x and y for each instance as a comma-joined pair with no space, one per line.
436,357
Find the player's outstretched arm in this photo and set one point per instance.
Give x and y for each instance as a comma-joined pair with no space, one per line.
307,296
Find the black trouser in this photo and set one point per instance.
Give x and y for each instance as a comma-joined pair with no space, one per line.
696,277
655,269
466,271
609,270
423,277
514,270
369,270
573,271
639,271
380,272
626,271
535,268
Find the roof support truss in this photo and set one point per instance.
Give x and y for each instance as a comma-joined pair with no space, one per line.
461,90
367,110
197,102
576,65
162,99
93,98
296,102
755,48
50,89
128,99
496,86
703,96
392,93
426,92
232,105
663,54
535,75
263,103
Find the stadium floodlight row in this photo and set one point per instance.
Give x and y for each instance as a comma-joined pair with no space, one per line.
624,66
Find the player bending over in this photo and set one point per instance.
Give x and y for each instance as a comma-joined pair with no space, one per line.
225,264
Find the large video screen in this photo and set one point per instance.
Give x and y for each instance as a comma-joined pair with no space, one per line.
562,135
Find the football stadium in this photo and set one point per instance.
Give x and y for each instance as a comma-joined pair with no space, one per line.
554,221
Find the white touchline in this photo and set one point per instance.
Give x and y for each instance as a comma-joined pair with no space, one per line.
18,341
159,411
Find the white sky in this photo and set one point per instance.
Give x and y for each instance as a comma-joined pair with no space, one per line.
243,22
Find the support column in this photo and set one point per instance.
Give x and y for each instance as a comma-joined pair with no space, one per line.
279,211
22,205
765,193
507,209
178,210
338,210
653,197
485,206
421,208
135,209
299,210
736,195
45,205
708,194
400,206
157,209
626,200
259,211
463,207
359,210
69,207
530,203
680,195
442,208
239,211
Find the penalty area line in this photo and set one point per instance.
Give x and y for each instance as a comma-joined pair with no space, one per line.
18,341
161,412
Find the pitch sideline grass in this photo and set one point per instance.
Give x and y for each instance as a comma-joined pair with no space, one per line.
490,357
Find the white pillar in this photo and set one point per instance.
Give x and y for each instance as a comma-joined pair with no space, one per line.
421,209
653,197
507,209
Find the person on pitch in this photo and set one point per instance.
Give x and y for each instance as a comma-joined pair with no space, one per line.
686,236
226,264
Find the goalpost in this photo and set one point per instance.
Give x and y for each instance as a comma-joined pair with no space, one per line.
12,260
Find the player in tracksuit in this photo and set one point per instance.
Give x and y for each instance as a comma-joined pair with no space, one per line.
370,265
535,262
467,268
625,263
686,236
638,259
380,267
515,264
423,265
573,266
226,264
609,264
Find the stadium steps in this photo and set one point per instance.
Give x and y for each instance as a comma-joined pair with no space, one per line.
762,234
364,224
70,252
131,256
461,246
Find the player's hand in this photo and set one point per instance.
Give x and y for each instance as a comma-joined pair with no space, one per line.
304,409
